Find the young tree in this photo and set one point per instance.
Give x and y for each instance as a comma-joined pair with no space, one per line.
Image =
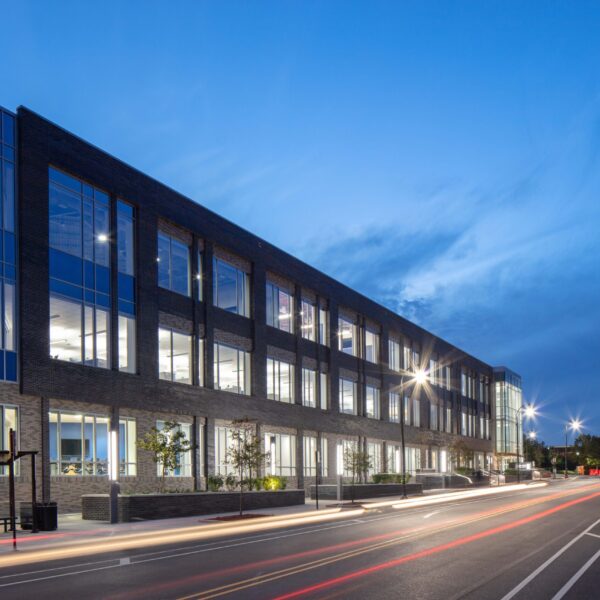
167,445
357,462
245,455
460,453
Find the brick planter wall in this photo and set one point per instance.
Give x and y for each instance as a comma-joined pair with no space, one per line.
95,507
366,490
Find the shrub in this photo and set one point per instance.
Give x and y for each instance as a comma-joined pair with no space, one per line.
231,482
390,478
274,482
214,482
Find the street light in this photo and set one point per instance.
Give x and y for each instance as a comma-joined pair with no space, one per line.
575,425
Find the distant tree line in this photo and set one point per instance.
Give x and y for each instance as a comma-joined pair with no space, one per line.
584,451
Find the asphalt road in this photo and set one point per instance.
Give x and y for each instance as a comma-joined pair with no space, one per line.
538,543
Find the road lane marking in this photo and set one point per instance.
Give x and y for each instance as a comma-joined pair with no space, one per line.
124,562
435,512
545,564
297,569
593,535
565,588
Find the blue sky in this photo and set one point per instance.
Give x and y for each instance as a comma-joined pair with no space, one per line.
441,158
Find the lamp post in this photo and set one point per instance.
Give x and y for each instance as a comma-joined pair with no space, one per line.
575,425
402,437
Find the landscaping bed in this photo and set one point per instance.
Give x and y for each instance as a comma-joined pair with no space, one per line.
95,507
366,490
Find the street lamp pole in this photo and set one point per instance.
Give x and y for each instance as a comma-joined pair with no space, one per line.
566,442
402,437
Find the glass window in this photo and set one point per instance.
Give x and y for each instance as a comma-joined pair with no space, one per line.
173,264
394,458
347,396
372,407
433,417
201,362
231,289
448,378
394,355
324,390
323,326
68,331
416,413
311,465
282,454
8,196
309,395
8,421
375,453
232,369
9,316
341,464
174,356
125,238
371,346
448,420
65,220
200,274
407,359
127,350
184,459
280,381
394,407
79,444
347,337
407,410
309,321
280,308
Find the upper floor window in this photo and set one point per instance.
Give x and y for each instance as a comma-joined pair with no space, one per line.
280,313
371,346
347,337
126,286
416,412
348,396
173,264
323,326
407,359
372,402
463,383
433,417
433,371
324,390
394,411
309,321
309,387
448,377
232,369
200,274
280,381
230,288
174,356
394,355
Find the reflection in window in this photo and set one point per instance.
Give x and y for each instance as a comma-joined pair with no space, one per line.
223,442
372,404
8,421
174,356
184,459
375,453
282,454
173,264
127,350
126,287
232,369
324,390
309,321
280,381
79,444
347,396
309,387
231,290
280,308
371,346
347,337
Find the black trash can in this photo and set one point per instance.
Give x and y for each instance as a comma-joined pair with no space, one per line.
47,516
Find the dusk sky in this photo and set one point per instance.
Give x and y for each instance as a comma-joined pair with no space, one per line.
442,159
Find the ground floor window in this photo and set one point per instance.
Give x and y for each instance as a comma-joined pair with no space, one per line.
344,447
394,458
223,441
310,461
185,458
375,452
8,421
282,453
79,444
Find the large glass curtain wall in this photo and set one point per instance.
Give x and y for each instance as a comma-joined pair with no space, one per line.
79,271
8,248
